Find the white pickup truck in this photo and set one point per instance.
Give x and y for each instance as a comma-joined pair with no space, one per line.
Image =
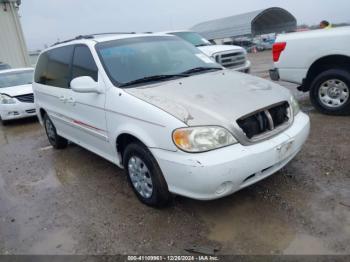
319,61
229,56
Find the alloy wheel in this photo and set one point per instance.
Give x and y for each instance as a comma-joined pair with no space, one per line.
333,93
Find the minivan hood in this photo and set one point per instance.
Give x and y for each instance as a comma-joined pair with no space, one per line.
217,98
210,50
17,90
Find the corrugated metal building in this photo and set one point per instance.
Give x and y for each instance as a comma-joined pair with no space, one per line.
13,50
266,21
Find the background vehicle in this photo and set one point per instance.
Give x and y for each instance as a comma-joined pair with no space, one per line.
263,44
229,56
319,61
4,66
16,94
177,121
244,42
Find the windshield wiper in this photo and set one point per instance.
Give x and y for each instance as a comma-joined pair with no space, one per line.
152,78
199,45
200,69
186,73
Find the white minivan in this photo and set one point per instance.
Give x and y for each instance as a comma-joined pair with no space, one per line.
178,122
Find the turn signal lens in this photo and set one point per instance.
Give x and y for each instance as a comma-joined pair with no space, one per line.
295,105
181,138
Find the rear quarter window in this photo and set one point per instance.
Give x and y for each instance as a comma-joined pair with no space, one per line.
53,67
41,69
58,66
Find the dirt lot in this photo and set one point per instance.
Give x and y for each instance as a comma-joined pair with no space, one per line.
74,202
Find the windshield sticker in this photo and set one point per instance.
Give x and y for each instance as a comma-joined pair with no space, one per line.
205,59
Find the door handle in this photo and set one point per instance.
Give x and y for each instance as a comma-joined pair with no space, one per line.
62,99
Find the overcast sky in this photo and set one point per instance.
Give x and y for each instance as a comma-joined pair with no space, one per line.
46,21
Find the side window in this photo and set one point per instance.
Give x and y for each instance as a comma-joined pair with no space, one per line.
40,69
58,68
83,63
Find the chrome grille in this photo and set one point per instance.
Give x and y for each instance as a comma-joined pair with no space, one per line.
266,122
231,60
28,98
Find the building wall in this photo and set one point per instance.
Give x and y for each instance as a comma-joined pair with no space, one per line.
33,58
13,50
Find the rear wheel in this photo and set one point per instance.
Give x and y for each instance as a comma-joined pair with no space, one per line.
330,92
55,140
145,176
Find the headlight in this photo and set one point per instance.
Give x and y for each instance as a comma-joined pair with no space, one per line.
5,99
215,58
295,105
201,139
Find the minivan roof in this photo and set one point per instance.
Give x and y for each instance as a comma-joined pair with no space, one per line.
178,31
123,36
98,38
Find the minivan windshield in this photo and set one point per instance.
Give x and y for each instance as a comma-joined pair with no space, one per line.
153,58
16,78
194,38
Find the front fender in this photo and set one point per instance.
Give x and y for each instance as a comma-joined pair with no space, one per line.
156,137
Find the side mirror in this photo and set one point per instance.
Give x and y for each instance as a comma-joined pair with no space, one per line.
85,84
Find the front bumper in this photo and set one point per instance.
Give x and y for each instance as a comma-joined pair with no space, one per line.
274,74
221,172
17,111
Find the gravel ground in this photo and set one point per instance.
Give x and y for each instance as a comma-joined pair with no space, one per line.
74,202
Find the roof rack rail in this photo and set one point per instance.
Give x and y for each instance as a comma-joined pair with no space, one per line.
79,37
114,33
91,36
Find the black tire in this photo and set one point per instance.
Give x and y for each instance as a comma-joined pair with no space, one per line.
160,196
4,122
338,74
55,140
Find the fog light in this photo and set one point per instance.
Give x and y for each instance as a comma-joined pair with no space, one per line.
13,113
223,188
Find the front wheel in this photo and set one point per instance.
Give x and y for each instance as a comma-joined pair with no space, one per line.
4,122
330,92
55,140
145,176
